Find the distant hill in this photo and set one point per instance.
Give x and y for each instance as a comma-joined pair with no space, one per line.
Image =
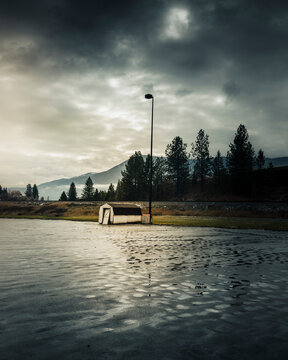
53,189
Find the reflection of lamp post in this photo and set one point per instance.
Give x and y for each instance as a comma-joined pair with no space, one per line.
149,96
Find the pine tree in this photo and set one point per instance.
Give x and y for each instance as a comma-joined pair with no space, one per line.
219,170
35,193
110,196
72,193
146,176
200,152
28,191
63,197
88,190
96,195
260,159
4,194
240,159
102,195
119,191
133,179
241,155
177,164
159,177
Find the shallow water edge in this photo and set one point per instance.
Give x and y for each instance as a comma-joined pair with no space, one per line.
80,290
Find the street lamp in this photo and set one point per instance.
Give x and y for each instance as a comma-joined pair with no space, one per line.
149,96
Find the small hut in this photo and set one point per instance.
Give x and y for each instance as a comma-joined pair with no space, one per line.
119,214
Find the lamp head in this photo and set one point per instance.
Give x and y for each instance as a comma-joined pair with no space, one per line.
148,96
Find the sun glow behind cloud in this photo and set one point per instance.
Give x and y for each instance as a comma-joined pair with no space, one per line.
177,23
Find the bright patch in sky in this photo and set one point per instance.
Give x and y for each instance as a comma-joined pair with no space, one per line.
219,100
177,23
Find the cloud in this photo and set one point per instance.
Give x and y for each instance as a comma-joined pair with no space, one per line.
73,76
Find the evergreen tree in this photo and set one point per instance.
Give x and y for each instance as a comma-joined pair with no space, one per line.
63,197
200,152
177,164
146,176
96,195
133,180
28,191
35,193
240,159
110,196
159,177
260,159
88,190
119,191
219,170
102,195
72,193
4,194
241,155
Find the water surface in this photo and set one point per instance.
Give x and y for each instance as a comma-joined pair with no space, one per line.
74,290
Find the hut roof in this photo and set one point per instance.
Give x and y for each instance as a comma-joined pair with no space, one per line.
126,209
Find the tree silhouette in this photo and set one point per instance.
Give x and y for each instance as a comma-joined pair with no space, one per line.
96,195
88,190
200,152
219,170
35,193
119,191
110,196
63,197
177,164
260,159
133,179
72,193
240,159
28,191
159,177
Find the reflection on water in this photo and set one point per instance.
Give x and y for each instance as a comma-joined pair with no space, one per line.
85,291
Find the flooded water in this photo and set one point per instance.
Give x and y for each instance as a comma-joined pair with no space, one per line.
73,290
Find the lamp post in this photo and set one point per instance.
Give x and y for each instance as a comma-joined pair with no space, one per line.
149,96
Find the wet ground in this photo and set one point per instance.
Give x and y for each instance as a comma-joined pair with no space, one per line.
72,290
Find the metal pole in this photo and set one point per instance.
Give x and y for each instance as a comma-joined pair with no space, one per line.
151,165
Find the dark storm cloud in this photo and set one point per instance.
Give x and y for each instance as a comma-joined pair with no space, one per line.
237,36
67,31
82,67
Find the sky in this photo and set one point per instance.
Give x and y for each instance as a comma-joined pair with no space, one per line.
73,75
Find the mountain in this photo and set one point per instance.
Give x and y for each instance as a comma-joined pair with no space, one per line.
53,189
101,181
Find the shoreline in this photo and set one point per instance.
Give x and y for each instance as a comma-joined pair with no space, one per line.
252,223
194,214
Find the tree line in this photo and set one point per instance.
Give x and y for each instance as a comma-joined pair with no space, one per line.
172,177
31,193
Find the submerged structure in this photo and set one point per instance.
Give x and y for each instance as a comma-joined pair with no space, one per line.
119,214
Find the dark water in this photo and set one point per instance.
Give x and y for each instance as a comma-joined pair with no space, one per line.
72,290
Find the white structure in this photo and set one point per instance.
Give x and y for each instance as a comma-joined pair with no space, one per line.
119,214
